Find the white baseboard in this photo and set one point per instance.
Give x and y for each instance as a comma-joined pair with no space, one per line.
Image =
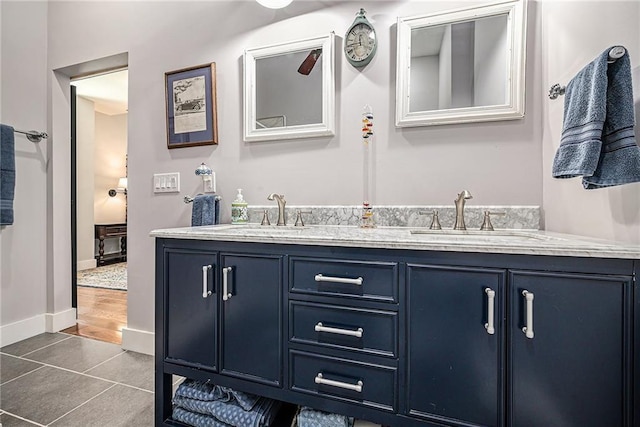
22,329
138,341
58,321
86,264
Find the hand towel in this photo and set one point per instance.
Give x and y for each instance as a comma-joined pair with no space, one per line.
7,174
203,210
195,419
217,210
308,417
231,412
598,141
207,392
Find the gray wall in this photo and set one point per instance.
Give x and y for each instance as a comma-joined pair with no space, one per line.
609,213
499,163
23,104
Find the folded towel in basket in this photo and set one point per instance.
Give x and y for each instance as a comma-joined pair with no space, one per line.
227,406
308,417
195,419
7,174
598,141
198,390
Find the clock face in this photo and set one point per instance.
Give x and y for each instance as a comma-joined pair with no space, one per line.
360,43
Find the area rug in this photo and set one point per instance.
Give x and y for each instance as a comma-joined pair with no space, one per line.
113,276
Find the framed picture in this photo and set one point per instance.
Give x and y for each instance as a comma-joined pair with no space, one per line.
191,106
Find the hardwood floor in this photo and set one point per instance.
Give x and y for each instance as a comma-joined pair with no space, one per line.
102,313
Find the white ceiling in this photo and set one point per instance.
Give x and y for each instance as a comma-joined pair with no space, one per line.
109,92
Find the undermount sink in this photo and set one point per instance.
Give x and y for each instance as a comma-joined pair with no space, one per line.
267,229
478,236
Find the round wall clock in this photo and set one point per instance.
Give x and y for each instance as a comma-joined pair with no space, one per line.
360,42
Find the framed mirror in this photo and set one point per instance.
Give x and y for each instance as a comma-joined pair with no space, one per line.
461,66
289,90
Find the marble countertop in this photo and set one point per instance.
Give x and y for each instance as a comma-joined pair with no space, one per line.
524,242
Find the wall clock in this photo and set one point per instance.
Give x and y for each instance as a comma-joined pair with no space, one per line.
360,42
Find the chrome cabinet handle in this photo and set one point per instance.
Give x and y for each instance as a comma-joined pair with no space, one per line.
226,295
205,280
321,328
489,326
355,387
321,278
528,329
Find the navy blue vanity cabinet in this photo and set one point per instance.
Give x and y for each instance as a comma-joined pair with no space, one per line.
455,327
252,317
570,355
191,307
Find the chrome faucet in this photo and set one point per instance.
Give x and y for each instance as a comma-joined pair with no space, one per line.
459,201
282,220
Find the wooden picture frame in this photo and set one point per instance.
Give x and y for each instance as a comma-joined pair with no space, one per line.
191,110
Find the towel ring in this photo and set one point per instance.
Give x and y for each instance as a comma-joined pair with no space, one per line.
615,53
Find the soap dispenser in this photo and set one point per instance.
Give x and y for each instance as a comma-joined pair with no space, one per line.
239,214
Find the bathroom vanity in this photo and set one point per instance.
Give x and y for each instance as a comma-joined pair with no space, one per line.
404,327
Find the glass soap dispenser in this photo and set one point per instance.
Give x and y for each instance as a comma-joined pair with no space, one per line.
239,214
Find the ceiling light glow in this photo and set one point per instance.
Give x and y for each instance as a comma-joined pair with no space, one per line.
275,4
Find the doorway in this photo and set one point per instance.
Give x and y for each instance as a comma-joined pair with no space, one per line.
99,204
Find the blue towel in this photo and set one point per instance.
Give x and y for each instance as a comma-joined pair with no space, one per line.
231,412
312,418
207,391
598,141
7,174
195,419
203,211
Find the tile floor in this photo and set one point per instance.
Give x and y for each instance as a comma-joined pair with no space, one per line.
64,380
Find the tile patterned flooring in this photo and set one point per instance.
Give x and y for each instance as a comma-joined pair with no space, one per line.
64,380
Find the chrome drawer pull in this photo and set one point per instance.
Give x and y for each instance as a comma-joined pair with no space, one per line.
321,328
528,330
226,295
355,387
321,278
491,295
205,279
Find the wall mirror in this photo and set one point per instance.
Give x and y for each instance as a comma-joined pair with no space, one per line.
461,66
289,90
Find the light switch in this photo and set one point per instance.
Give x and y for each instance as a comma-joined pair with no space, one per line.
166,182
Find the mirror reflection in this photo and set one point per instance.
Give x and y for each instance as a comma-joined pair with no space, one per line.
461,66
289,90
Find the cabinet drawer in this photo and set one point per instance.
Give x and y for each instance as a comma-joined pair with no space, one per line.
360,279
367,384
368,331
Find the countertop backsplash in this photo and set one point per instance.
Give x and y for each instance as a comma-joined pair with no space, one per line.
515,218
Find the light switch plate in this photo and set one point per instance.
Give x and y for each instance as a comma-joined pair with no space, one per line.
166,182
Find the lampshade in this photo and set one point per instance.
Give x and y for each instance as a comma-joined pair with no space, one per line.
122,183
275,4
203,170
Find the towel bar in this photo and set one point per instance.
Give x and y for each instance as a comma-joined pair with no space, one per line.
32,135
188,199
615,53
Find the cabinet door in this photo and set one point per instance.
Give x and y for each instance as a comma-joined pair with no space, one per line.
251,317
570,368
454,357
190,307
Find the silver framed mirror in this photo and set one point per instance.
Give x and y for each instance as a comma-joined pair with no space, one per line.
461,66
289,90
